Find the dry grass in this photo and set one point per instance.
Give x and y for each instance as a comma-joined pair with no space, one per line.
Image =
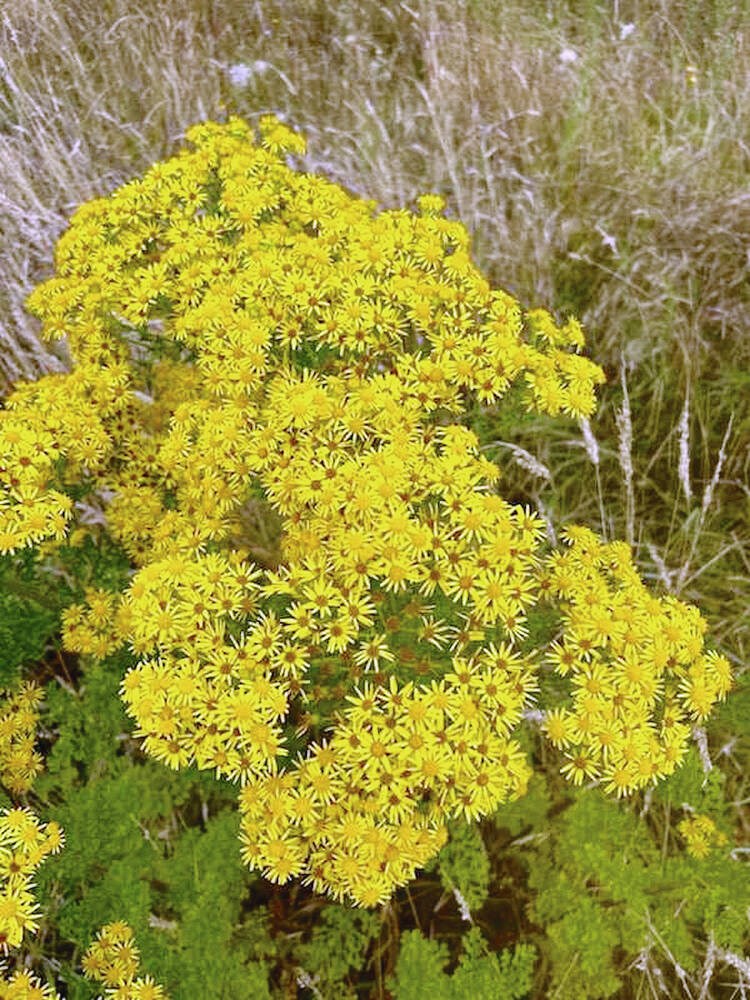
596,151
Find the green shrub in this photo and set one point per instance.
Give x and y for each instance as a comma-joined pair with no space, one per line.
480,974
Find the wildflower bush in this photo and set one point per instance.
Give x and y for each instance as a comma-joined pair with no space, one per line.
314,594
113,959
25,843
19,761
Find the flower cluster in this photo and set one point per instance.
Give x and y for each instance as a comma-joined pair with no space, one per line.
113,959
23,985
88,628
19,761
701,835
30,509
245,336
24,844
367,807
638,670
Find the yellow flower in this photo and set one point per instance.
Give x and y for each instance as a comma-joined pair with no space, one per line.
173,752
321,598
701,835
579,767
17,913
559,725
370,653
25,986
620,778
595,679
360,610
291,660
431,204
323,783
283,857
462,581
144,988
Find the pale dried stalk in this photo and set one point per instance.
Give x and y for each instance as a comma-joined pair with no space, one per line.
523,458
592,445
738,962
547,518
625,454
701,740
463,906
683,430
708,495
665,575
592,450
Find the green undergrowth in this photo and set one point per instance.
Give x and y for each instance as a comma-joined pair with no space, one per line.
480,974
561,893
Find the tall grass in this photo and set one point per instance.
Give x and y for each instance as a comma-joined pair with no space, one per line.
597,152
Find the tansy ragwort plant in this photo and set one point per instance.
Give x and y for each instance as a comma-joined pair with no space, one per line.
19,761
247,334
24,841
113,959
24,844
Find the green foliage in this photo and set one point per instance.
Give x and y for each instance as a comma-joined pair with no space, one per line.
480,975
734,714
96,561
720,898
691,788
464,865
35,590
102,873
529,813
253,935
201,886
28,617
419,970
124,859
90,727
337,949
586,877
604,889
581,947
183,899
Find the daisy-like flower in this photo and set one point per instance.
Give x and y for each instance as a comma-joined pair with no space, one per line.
468,630
579,767
319,337
434,631
463,581
291,660
560,727
595,679
173,752
620,778
432,576
23,985
371,653
396,571
321,598
284,857
360,611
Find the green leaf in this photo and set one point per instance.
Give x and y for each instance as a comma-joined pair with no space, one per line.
464,865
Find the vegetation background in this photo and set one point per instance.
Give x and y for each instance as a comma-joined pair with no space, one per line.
598,153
